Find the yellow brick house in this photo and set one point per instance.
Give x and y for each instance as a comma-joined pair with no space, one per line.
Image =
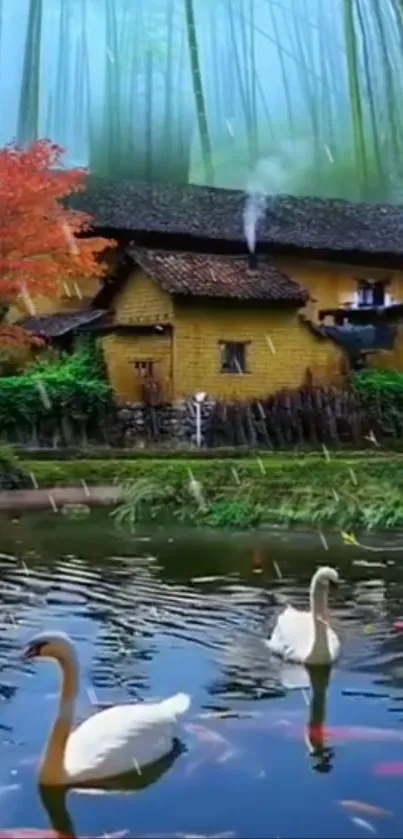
209,323
188,308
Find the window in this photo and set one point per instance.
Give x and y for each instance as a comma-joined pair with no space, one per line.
144,368
233,357
371,293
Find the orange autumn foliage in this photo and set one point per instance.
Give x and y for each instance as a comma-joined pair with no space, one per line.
38,234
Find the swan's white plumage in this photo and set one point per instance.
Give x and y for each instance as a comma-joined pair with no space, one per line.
114,741
293,638
122,739
300,637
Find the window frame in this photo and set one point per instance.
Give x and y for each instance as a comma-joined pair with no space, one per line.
144,367
369,288
224,347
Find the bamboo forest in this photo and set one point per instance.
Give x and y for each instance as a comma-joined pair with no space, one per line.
305,93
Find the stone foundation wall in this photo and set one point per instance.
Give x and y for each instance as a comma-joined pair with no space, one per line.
169,423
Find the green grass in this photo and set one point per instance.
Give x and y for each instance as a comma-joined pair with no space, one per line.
244,492
91,453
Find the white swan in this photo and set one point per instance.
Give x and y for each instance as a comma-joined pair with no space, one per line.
306,637
112,742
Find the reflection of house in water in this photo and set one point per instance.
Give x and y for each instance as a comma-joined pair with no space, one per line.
184,306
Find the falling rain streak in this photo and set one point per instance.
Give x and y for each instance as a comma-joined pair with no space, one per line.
43,394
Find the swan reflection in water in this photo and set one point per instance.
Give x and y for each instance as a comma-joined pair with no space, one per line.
54,801
321,752
316,680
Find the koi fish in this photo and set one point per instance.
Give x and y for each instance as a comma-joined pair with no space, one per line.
364,808
389,769
40,833
348,732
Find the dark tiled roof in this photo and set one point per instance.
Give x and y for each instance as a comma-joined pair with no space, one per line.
304,223
218,276
56,325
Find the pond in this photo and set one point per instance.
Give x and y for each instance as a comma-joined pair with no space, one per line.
162,611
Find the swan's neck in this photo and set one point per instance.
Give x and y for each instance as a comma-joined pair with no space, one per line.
320,616
319,602
52,770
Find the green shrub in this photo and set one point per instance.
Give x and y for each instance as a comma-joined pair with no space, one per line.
12,474
55,388
378,381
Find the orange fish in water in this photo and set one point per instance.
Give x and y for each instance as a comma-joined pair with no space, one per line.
348,732
39,833
363,807
389,769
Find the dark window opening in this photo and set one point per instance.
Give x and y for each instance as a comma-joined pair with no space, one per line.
371,294
144,368
233,357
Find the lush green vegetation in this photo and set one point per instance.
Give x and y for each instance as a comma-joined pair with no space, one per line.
13,475
126,87
381,396
245,492
66,392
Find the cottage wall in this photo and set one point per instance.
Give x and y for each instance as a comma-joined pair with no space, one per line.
190,360
279,351
141,302
330,285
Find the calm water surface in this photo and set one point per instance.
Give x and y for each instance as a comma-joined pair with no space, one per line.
164,611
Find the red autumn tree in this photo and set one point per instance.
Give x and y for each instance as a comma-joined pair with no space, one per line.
38,233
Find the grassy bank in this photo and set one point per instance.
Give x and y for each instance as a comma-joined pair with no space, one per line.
340,492
391,449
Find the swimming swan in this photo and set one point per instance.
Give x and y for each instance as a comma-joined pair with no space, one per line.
112,742
306,637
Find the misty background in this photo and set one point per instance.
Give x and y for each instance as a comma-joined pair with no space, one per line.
304,94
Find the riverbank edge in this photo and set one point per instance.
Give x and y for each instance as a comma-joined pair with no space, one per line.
20,500
275,490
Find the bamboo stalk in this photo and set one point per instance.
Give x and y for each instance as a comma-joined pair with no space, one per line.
371,94
198,93
148,139
308,80
253,76
61,104
283,69
237,64
28,115
87,115
112,105
168,79
355,94
390,93
244,26
328,127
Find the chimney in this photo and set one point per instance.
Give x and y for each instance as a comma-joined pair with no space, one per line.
253,262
